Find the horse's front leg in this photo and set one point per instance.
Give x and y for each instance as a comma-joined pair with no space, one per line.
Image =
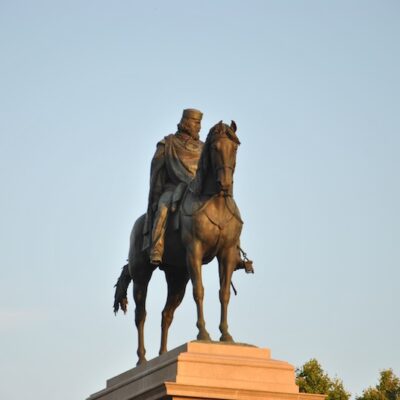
227,262
194,263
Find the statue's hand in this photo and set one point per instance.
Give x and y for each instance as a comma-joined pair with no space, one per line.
174,206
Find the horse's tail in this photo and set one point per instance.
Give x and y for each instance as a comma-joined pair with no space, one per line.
120,297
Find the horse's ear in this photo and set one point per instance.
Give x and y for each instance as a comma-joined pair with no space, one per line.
220,122
233,126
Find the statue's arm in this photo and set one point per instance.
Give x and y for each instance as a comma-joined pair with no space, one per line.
157,175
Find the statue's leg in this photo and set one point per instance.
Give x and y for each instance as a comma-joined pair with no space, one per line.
194,262
177,279
141,282
159,227
227,263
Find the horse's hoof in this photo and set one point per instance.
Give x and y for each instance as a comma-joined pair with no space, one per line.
204,336
141,361
226,337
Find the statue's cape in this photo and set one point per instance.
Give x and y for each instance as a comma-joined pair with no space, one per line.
174,162
181,158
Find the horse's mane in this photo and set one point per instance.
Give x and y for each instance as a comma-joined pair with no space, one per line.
196,185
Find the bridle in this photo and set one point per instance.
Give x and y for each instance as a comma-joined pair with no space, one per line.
225,166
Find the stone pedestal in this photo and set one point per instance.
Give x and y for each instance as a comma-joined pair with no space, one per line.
199,370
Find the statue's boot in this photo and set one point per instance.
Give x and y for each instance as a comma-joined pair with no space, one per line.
247,265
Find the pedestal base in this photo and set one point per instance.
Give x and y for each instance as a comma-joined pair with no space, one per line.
199,370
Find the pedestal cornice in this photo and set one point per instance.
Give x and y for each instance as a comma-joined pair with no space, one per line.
202,370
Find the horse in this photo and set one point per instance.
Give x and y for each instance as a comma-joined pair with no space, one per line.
209,226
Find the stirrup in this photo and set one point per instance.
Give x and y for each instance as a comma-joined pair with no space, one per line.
245,263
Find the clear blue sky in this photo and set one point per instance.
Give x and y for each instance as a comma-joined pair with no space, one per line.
87,88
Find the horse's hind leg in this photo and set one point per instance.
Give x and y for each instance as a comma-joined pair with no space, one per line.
227,264
177,280
141,282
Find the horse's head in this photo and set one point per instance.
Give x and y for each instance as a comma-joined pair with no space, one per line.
223,144
217,162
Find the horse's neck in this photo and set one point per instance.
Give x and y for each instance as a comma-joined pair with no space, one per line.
194,201
209,185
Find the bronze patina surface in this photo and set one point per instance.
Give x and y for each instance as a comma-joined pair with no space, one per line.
207,224
173,166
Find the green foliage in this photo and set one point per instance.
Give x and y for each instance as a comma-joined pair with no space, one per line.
388,388
311,378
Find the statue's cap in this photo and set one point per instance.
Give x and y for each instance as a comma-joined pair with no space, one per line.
192,113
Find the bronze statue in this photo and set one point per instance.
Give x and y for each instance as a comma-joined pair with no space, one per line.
173,166
206,225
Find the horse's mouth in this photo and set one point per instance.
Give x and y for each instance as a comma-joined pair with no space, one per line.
225,192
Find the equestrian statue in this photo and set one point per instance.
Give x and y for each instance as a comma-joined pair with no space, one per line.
191,219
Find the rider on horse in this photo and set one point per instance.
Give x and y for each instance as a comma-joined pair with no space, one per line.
173,166
209,225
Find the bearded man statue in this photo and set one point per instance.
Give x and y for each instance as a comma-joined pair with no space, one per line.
173,166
